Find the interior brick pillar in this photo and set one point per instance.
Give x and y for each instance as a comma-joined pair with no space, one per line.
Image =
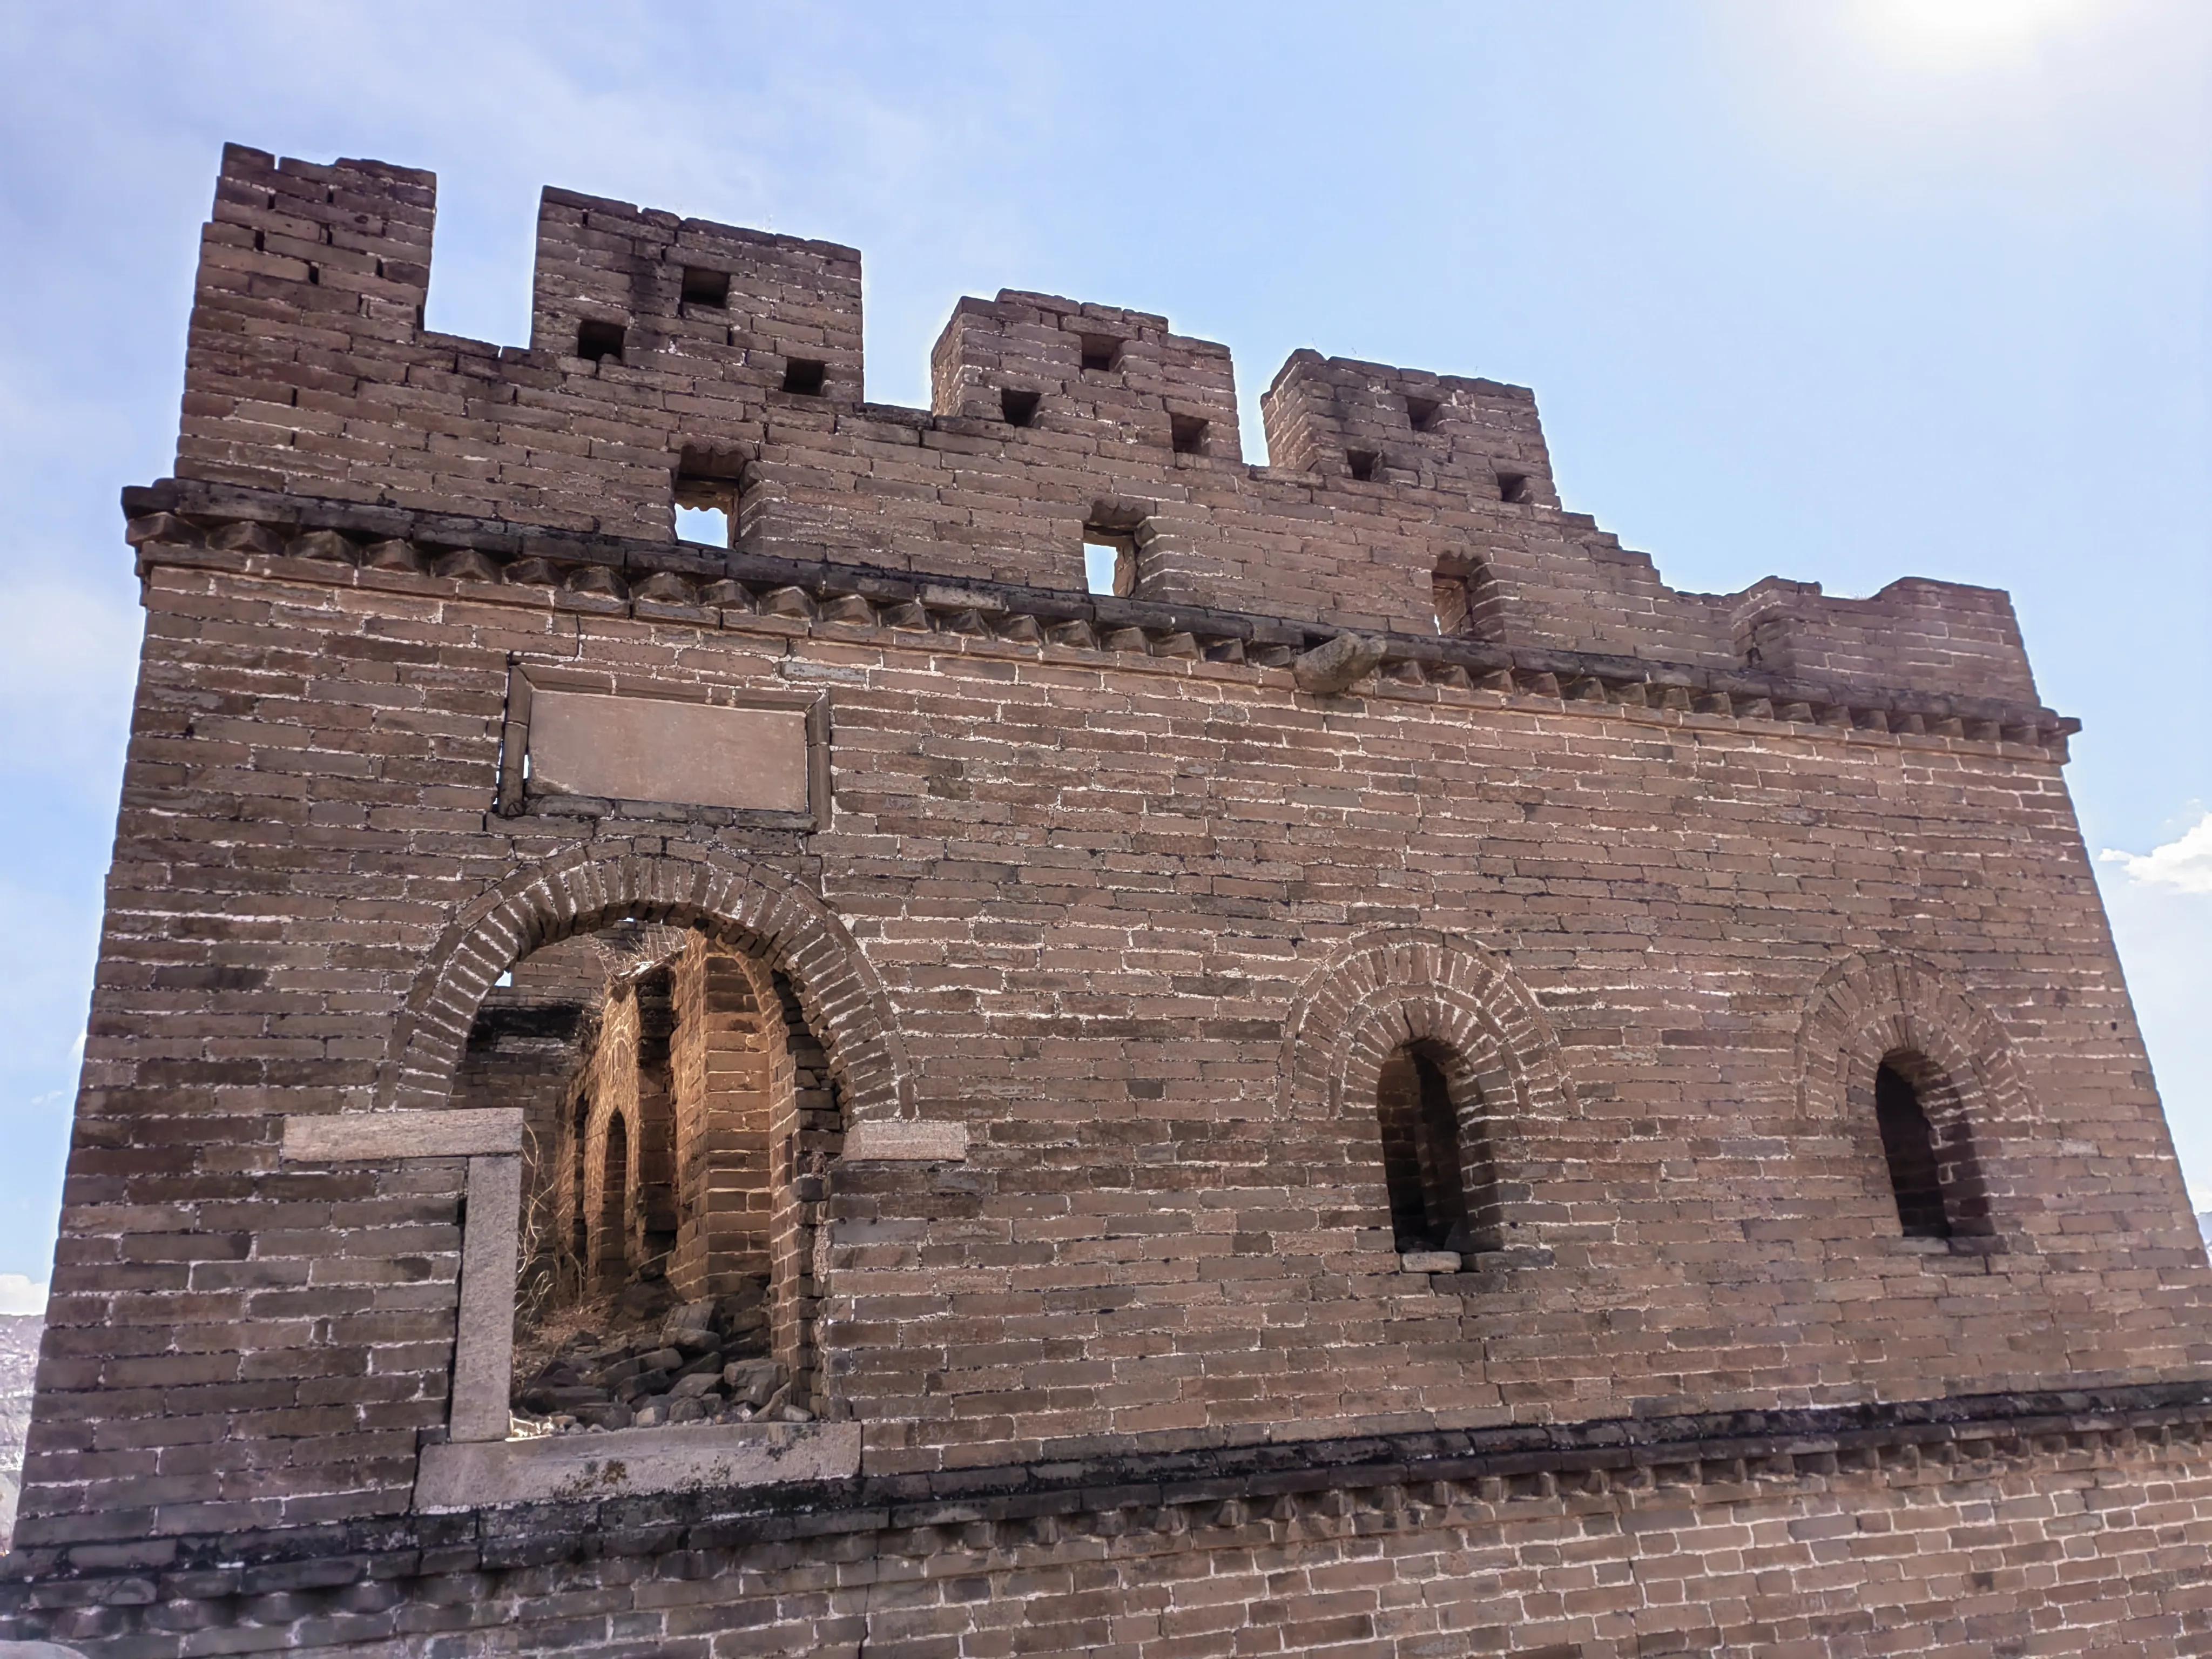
732,1068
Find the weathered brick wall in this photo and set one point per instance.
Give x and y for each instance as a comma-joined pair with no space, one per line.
1097,883
1100,892
2048,1540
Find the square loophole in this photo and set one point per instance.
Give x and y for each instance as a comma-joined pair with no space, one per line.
1019,408
1452,603
703,287
1101,352
1513,487
804,376
1187,434
1363,464
707,484
1422,413
1470,605
598,341
1109,561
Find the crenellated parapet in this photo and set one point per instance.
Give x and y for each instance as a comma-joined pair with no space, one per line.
751,313
1096,375
678,363
1377,424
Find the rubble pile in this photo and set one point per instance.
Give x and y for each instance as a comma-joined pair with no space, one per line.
706,1361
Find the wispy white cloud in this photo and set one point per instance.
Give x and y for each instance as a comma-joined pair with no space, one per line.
2183,863
21,1294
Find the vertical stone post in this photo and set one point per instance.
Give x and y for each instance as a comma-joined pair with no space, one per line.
484,1347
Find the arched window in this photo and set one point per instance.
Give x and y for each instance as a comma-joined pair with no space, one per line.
614,1204
1924,1082
1434,1155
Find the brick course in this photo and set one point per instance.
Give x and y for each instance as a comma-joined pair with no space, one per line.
1659,879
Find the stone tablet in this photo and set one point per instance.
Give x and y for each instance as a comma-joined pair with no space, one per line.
622,748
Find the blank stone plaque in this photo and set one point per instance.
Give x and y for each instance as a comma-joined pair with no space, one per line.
622,748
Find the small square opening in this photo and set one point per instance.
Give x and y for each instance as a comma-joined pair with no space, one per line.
1467,603
804,376
1109,561
1019,408
1512,486
1421,413
1365,464
1101,352
1451,602
703,287
707,484
595,341
1187,434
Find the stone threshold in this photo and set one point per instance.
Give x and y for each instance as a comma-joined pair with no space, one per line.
571,1467
199,525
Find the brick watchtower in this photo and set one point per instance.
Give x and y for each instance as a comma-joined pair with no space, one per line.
1389,1085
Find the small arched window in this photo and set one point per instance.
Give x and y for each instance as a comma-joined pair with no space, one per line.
1434,1157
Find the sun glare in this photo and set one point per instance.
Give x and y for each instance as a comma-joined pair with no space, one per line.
1962,32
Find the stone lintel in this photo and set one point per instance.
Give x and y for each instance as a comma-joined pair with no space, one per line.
622,1462
1430,1261
364,1137
904,1141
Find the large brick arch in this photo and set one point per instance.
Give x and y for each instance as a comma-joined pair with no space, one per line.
1381,989
1877,1003
582,889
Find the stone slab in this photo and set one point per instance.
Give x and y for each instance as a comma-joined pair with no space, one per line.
1430,1261
621,748
907,1142
362,1136
625,1461
484,1347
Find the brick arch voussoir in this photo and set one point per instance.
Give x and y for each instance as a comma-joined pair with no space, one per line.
1380,990
1875,1003
838,990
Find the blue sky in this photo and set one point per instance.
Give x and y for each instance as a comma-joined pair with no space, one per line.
1841,291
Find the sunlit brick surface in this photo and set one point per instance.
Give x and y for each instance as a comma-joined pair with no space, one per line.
1661,876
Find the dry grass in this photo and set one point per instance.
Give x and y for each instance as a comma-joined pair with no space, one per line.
543,1336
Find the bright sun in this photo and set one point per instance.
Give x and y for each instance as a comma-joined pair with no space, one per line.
1959,31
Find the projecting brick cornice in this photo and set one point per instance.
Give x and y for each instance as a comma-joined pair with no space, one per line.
1258,1494
183,524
